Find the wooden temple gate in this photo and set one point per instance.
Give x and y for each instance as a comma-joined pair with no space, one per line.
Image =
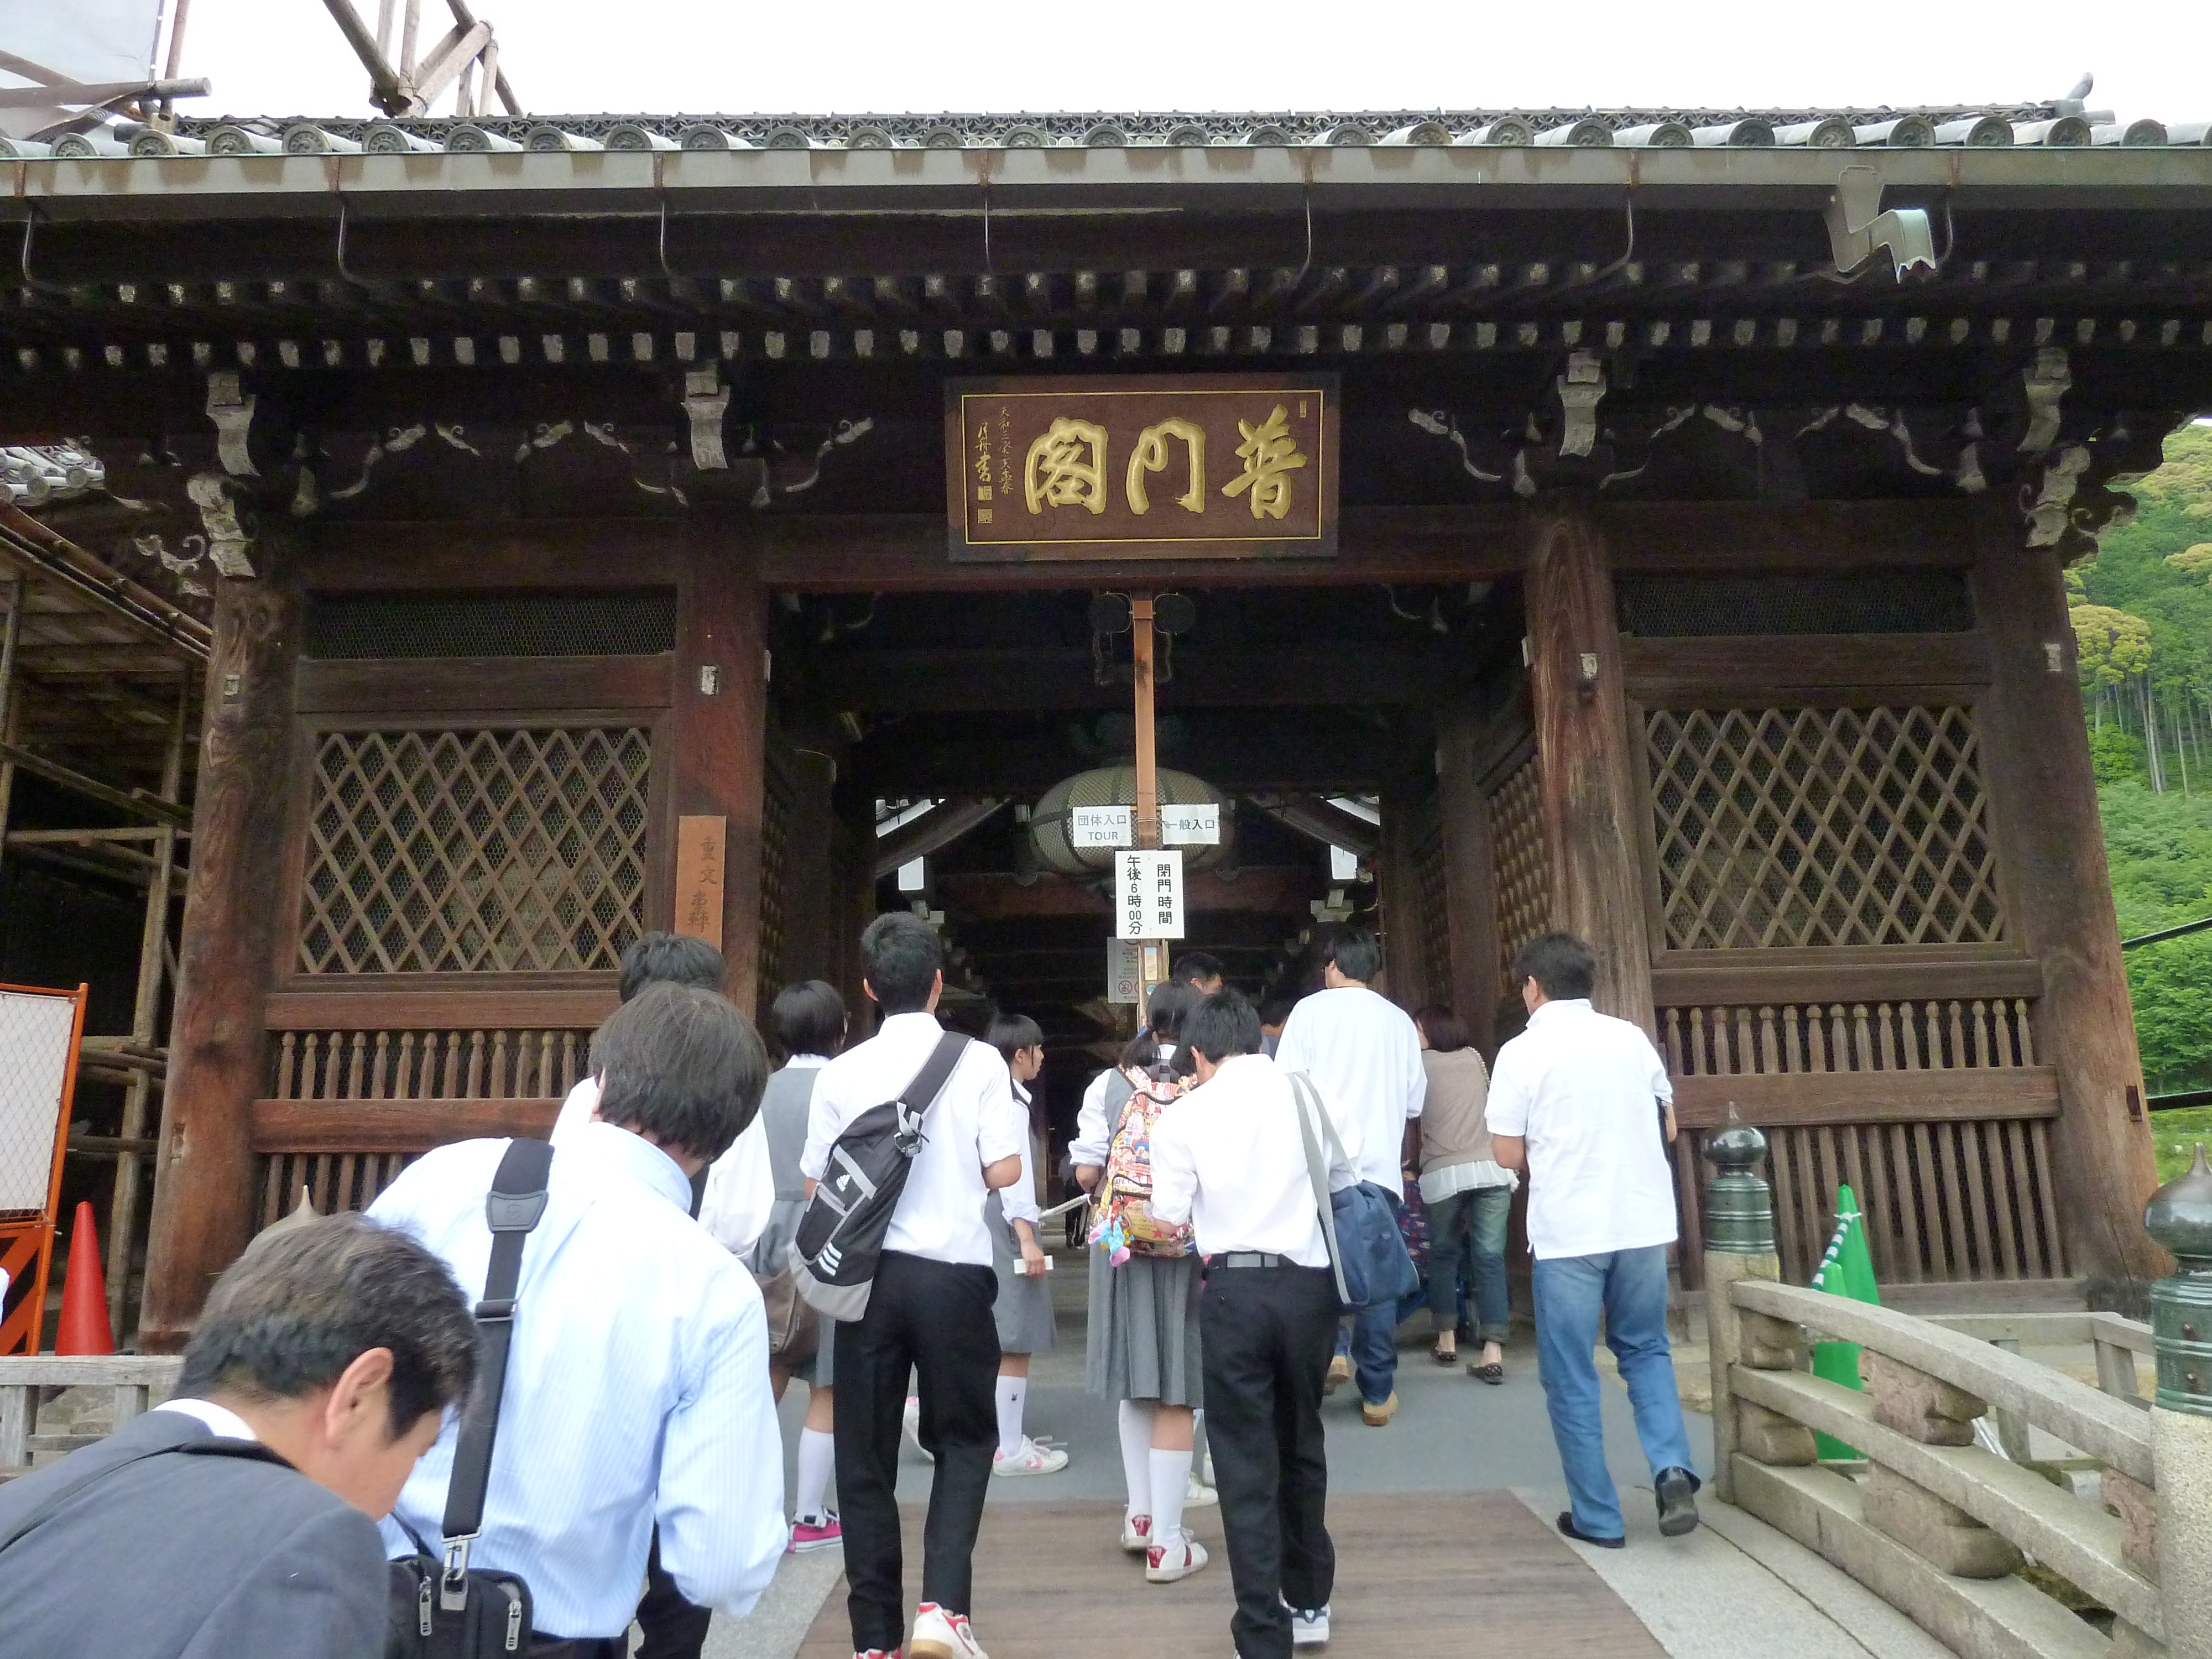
539,547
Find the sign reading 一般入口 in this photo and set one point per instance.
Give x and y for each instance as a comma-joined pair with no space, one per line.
1148,896
1223,466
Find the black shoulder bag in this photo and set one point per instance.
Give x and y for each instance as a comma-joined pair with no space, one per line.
447,1609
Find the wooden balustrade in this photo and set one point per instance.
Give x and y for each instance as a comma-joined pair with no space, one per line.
137,1382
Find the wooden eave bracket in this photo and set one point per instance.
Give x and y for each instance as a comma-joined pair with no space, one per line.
1857,226
1580,390
229,543
706,399
231,409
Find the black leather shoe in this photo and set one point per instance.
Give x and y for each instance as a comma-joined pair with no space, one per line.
1677,1491
1567,1526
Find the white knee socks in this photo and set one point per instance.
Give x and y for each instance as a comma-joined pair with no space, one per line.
817,1458
1013,1392
1170,1475
1136,1426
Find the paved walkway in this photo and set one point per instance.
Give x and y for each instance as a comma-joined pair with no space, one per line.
1444,1528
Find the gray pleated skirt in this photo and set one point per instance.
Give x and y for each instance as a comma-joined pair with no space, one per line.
1143,1339
1024,1310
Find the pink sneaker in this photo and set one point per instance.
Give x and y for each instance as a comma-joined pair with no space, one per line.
808,1535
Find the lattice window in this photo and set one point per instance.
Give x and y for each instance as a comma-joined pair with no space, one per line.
475,851
1523,873
1432,890
778,803
1781,827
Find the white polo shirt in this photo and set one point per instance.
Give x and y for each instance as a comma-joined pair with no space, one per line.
1362,1052
1229,1159
1582,1089
975,1122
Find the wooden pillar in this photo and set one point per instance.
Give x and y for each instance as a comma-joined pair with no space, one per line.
2057,890
720,727
203,1195
813,910
1591,801
1470,882
1404,959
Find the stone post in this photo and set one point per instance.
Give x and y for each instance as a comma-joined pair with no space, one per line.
2179,1216
1739,1245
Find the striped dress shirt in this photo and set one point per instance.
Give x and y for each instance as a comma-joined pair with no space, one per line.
637,1389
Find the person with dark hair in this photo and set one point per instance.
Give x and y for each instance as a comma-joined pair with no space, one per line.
1468,1195
1024,1310
807,1023
1199,970
637,1389
1143,1350
239,1518
1582,1102
1364,1054
1231,1158
1274,1013
649,959
929,1306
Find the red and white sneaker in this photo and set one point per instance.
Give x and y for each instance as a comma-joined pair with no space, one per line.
877,1653
1136,1534
1030,1459
1176,1558
821,1534
941,1635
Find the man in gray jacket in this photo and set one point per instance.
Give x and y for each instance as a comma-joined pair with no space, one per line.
238,1521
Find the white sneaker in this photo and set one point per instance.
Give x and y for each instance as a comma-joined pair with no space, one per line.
1309,1626
910,1420
1179,1558
1136,1534
941,1635
1197,1495
1031,1459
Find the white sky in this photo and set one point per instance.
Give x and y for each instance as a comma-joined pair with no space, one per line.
2151,56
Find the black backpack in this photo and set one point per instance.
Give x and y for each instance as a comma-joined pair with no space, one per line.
841,1232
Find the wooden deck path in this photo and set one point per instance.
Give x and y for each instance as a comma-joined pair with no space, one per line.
1440,1575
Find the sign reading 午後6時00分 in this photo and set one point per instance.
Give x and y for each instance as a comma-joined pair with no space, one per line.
1158,466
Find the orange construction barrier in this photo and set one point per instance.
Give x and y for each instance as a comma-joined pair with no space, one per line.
84,1328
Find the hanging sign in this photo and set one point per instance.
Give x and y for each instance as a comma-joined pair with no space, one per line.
1156,466
700,844
1198,825
1124,970
1148,896
1102,826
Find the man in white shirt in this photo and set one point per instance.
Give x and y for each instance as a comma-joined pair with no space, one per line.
649,959
1229,1157
1363,1054
929,1311
1581,1100
637,1388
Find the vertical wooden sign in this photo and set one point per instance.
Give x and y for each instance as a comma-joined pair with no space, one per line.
700,846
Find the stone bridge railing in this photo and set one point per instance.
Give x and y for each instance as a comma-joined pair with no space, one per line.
135,1382
1931,1519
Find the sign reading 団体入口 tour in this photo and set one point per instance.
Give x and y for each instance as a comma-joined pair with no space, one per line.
1156,466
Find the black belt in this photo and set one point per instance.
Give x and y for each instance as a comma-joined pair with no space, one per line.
1250,1259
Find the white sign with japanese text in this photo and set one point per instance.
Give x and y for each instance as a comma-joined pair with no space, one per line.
1198,825
1125,970
1148,896
1100,826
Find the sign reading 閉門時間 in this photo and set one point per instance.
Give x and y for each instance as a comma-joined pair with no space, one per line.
1221,466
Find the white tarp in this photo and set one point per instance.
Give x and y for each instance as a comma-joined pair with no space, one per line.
86,41
35,1062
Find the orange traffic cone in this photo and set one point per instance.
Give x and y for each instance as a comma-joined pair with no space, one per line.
84,1328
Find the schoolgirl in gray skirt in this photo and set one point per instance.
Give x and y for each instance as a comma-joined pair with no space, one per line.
1024,1310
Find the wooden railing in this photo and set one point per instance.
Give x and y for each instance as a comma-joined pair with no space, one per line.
136,1382
1940,1521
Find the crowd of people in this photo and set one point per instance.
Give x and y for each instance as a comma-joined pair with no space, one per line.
656,1322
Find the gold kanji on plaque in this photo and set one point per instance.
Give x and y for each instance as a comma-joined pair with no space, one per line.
1150,455
1067,467
1268,452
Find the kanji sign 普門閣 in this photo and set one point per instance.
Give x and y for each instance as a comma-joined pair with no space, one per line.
1205,465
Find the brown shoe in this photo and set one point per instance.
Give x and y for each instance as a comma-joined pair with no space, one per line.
1376,1416
1339,1373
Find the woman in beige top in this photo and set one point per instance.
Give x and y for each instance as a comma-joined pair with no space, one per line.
1468,1196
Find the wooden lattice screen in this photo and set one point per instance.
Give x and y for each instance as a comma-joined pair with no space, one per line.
1433,919
499,851
778,804
1521,871
1796,827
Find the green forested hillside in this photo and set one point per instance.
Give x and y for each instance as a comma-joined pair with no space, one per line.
2143,615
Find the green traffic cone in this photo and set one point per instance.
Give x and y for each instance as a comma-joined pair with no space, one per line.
1846,1269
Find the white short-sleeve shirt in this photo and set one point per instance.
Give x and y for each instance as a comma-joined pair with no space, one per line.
1362,1052
1582,1089
975,1122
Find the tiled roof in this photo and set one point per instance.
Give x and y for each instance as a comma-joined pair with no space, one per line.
2062,124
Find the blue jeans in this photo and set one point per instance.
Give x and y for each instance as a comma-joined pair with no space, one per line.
1369,1338
1630,1288
1466,1239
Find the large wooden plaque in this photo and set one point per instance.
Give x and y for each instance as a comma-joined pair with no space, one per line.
1150,467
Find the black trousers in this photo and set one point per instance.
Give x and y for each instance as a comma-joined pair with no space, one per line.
1268,1334
933,1318
669,1627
